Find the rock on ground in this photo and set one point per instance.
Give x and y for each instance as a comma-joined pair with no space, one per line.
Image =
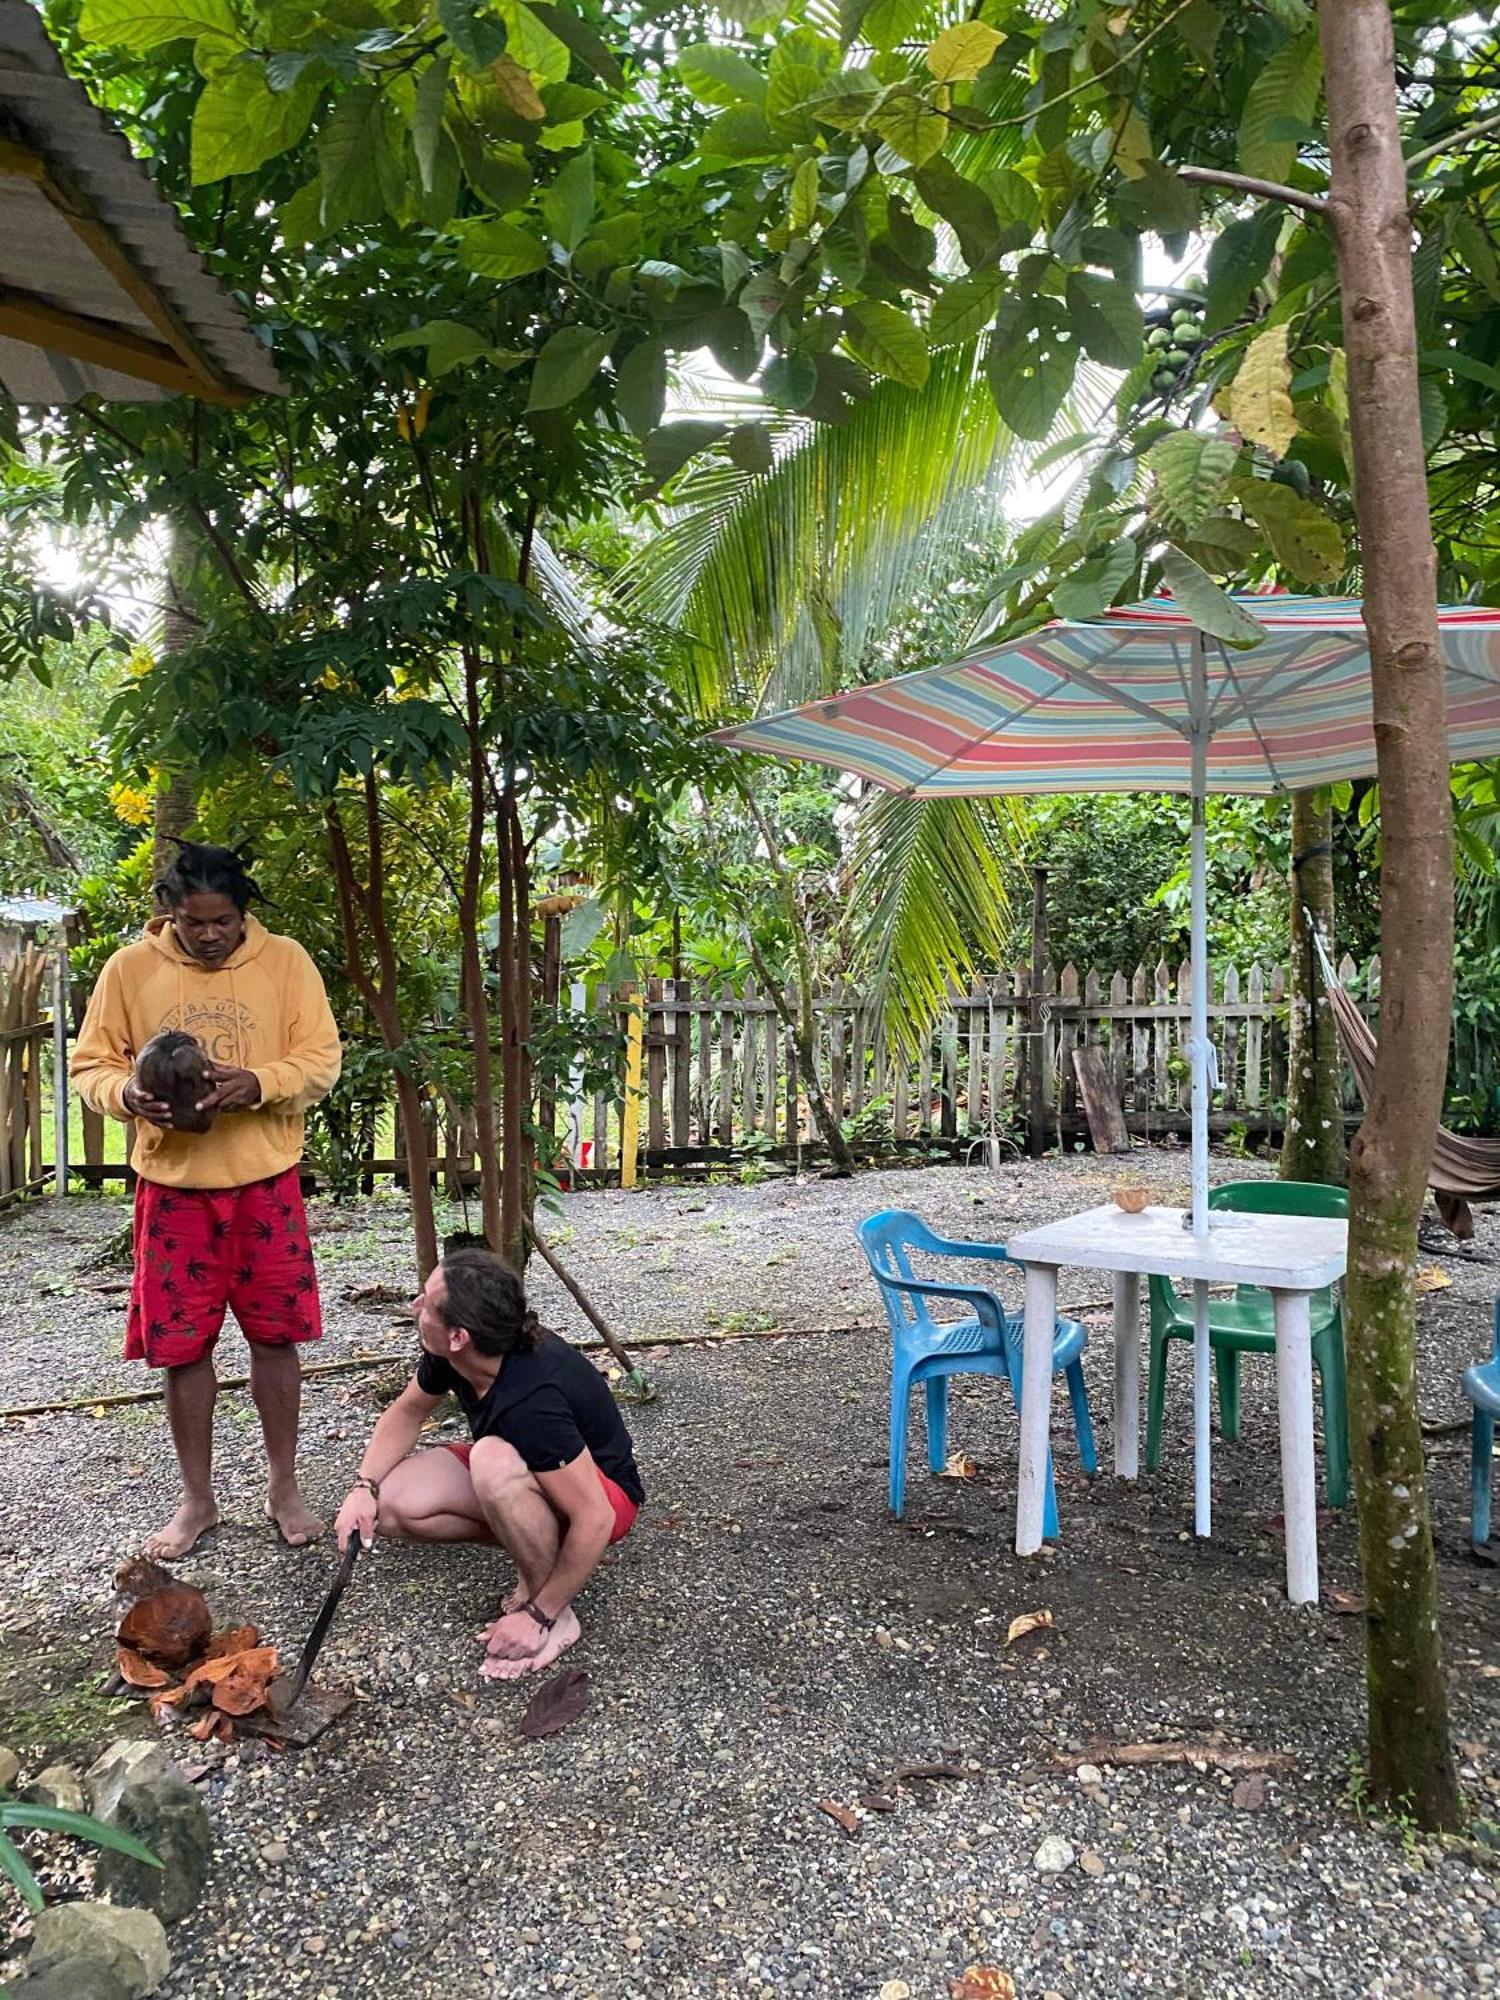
131,1942
137,1788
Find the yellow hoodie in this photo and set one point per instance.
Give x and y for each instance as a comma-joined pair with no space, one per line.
264,1009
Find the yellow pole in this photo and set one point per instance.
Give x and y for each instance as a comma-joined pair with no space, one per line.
630,1111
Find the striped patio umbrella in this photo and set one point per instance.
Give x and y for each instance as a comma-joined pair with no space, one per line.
1142,700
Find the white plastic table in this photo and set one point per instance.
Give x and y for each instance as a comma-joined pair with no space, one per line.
1292,1256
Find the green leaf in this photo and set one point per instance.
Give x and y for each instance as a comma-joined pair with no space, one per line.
959,53
568,204
968,210
300,216
1260,402
496,249
1203,601
965,308
1013,196
1090,590
1434,408
887,342
1285,90
1193,470
534,47
607,244
641,386
1033,356
790,381
721,76
13,1866
448,343
570,103
477,36
1293,15
749,446
1107,319
427,117
1200,25
83,1826
349,148
915,130
1157,199
566,366
1453,361
1224,543
740,133
1304,540
501,172
667,450
887,22
1238,258
802,204
139,25
1472,238
847,99
585,44
239,122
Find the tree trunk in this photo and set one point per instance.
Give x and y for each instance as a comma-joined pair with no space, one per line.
1313,1149
1411,1760
515,970
475,999
176,802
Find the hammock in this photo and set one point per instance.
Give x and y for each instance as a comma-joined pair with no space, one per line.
1463,1169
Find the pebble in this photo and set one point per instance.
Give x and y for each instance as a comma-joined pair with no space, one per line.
1053,1856
1089,1774
274,1851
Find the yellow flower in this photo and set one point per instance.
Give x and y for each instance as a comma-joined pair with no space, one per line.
140,663
131,805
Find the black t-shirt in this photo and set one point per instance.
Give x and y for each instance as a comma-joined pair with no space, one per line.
547,1404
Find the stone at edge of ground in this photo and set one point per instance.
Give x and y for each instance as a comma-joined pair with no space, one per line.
136,1787
131,1943
83,1978
10,1769
56,1786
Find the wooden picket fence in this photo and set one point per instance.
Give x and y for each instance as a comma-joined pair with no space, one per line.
25,1036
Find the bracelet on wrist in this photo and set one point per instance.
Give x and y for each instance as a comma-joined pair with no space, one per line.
371,1486
541,1617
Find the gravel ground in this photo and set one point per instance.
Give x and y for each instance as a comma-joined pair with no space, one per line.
768,1639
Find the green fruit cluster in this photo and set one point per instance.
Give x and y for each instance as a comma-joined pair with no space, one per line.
1172,342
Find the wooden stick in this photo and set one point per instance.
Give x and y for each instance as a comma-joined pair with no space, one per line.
1222,1756
584,1303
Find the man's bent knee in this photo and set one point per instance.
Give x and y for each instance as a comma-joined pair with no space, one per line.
497,1469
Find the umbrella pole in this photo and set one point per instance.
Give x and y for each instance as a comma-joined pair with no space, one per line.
1199,1054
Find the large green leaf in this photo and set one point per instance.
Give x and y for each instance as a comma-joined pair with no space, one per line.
351,143
887,342
1285,92
1091,589
959,53
1193,470
534,46
139,25
582,39
499,172
965,308
965,206
1238,258
568,204
641,386
720,76
915,130
239,122
1107,318
473,30
496,249
1033,356
740,133
1157,199
427,117
1203,601
566,366
1305,541
668,449
887,22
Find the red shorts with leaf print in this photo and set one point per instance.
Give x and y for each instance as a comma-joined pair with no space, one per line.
199,1251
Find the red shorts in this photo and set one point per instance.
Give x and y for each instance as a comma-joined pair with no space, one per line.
625,1508
200,1250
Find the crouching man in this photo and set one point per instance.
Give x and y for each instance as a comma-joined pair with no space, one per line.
550,1475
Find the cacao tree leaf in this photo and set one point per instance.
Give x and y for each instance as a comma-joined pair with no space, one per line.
1091,589
959,53
641,386
427,117
577,35
1193,470
1286,90
965,308
887,342
1238,258
139,25
749,446
239,122
498,249
1209,608
1304,540
533,45
670,447
477,36
566,365
1033,356
915,130
568,203
1260,402
720,76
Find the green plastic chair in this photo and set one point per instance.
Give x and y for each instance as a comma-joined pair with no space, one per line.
1245,1324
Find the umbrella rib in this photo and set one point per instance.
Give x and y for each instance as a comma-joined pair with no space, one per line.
1240,711
1265,748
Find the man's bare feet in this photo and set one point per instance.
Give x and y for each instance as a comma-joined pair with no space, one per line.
289,1511
183,1532
563,1634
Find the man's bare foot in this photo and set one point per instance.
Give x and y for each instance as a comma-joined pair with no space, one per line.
183,1532
289,1511
563,1634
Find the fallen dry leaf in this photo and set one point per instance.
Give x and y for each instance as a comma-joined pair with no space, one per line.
168,1698
1431,1279
169,1625
1250,1793
848,1820
1346,1603
237,1639
1029,1621
877,1802
959,1466
983,1982
139,1673
555,1704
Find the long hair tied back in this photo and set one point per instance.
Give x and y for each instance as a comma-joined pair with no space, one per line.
200,869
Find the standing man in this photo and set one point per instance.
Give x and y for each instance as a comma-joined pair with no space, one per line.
219,1220
550,1475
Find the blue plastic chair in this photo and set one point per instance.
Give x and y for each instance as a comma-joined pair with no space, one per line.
986,1342
1482,1387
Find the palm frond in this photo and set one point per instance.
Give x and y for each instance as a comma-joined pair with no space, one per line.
935,880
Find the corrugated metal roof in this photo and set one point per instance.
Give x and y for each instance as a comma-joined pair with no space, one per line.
101,292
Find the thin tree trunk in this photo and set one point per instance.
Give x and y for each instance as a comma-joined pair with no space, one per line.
513,915
475,999
1313,1149
379,990
176,801
1411,1759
